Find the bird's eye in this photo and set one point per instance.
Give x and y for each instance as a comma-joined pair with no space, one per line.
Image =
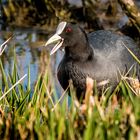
68,30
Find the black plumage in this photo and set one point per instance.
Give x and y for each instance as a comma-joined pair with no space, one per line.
99,55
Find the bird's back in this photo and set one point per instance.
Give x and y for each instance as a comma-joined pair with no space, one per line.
110,52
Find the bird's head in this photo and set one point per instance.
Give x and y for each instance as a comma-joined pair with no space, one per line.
66,35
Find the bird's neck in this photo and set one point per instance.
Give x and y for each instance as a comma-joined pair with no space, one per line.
79,52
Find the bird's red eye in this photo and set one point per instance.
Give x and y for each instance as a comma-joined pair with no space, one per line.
68,30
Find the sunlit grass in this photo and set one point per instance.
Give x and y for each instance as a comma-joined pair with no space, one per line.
27,114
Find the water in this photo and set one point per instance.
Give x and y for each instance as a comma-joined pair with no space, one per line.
30,52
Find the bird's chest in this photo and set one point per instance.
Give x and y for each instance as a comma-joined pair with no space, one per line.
75,72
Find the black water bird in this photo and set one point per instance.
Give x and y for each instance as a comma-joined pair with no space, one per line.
99,55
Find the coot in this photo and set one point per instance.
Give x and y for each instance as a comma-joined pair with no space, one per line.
100,55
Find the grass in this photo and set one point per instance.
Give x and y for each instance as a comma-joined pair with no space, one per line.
35,115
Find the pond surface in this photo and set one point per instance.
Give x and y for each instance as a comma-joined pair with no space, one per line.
30,52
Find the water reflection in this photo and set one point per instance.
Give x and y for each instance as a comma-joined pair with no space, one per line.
29,50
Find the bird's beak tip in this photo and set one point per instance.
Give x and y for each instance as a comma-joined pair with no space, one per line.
46,44
55,39
51,53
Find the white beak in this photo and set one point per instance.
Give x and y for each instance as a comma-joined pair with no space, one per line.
53,39
56,38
